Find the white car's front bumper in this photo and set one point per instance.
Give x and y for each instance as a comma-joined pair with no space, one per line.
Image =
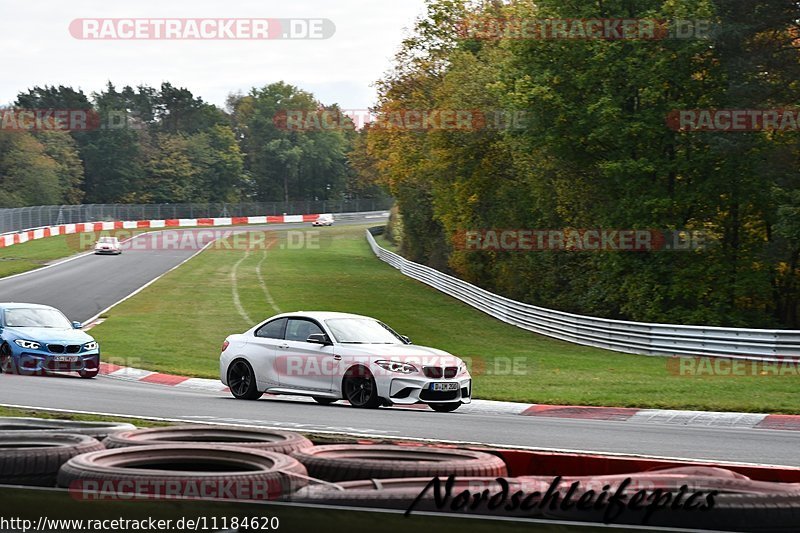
412,389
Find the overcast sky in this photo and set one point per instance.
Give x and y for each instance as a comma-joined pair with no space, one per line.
37,48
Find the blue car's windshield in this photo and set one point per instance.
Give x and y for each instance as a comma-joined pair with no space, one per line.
36,318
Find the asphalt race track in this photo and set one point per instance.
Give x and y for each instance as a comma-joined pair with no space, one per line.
85,286
128,398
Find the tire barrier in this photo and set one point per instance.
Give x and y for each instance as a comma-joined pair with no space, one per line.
251,438
34,458
98,430
228,463
188,471
345,462
739,503
400,493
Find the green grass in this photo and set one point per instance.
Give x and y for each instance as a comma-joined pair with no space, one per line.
386,243
316,438
35,254
13,411
178,324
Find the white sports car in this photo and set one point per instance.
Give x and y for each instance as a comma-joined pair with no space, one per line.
323,220
333,356
108,245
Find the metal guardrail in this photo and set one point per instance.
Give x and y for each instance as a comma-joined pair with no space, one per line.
616,335
25,218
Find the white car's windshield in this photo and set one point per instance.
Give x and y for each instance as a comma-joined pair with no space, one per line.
361,331
107,240
36,318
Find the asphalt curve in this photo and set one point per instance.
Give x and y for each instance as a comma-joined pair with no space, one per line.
84,286
141,399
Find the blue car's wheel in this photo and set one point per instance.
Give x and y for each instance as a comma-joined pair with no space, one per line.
7,364
92,372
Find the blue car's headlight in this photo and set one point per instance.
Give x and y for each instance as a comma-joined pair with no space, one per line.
90,345
28,345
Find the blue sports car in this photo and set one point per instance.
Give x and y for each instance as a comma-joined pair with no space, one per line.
38,339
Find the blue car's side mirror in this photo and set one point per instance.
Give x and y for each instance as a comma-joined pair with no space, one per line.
77,325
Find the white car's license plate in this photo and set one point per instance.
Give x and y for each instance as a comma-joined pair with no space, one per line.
444,387
65,358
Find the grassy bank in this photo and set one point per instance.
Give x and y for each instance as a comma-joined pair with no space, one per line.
178,324
31,255
13,411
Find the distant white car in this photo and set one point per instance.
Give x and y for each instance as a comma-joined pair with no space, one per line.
323,220
108,245
333,356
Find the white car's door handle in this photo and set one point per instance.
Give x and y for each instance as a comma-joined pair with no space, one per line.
337,357
284,346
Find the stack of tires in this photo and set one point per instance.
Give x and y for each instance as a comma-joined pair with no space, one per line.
32,450
102,458
450,480
147,462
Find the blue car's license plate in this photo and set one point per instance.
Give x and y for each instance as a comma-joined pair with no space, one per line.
444,387
65,358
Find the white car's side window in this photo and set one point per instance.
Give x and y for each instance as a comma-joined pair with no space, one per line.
272,330
299,329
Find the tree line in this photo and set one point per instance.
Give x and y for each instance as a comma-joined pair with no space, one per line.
166,145
596,151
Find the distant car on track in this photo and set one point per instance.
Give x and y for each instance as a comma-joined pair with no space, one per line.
108,245
323,220
39,339
332,356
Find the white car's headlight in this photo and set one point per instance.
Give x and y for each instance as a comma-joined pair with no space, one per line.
396,366
28,345
90,345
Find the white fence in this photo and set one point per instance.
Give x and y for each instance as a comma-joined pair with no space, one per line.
617,335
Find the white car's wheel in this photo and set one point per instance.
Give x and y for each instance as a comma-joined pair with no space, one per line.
324,401
360,388
444,407
242,381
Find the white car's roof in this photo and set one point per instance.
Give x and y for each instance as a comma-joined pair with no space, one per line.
322,315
